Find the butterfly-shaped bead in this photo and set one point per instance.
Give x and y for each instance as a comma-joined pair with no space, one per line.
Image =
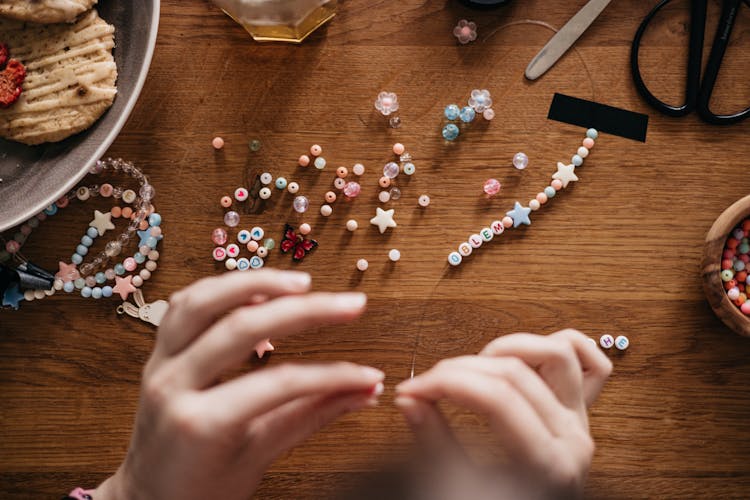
296,243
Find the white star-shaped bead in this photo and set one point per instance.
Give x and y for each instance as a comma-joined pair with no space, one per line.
565,173
383,219
102,222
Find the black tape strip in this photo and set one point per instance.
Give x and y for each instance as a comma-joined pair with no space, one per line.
603,118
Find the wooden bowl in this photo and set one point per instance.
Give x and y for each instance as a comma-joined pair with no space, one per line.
712,253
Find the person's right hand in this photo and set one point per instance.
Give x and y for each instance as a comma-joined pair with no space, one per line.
535,391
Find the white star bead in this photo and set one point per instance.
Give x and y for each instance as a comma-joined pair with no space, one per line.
383,219
102,222
565,173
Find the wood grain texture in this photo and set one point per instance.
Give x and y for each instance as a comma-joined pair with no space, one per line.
619,252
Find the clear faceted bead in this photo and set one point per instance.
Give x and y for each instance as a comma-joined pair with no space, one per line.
113,249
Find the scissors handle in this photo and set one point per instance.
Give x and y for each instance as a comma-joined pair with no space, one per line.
697,26
721,40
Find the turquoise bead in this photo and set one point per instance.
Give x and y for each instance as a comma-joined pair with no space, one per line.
409,168
51,210
106,291
79,283
92,232
452,111
269,243
100,278
86,292
576,160
320,163
550,192
87,240
744,248
592,134
152,242
96,292
139,258
68,286
154,219
82,249
467,114
119,269
450,132
76,259
727,274
281,183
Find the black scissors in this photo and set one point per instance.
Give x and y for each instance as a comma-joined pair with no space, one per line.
697,94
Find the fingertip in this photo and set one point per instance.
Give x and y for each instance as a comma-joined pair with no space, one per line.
410,408
297,280
350,301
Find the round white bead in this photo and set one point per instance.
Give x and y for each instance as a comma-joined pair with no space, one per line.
39,294
358,169
292,187
49,292
243,264
230,264
219,254
362,265
384,197
28,295
128,196
606,341
534,204
351,225
326,210
233,250
264,193
583,152
240,194
58,284
424,200
266,178
394,255
262,252
257,233
622,342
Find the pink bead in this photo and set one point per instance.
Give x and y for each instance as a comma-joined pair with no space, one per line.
62,202
252,246
153,255
339,183
25,230
12,246
556,184
491,187
305,228
745,307
398,148
303,161
129,264
507,221
145,274
316,150
226,201
41,216
541,198
151,265
109,274
145,249
90,281
217,143
488,114
588,143
106,190
156,231
218,236
358,169
137,281
352,189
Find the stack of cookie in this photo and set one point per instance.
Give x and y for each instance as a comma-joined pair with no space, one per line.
70,74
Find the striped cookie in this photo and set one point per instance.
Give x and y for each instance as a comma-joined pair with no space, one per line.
45,11
70,78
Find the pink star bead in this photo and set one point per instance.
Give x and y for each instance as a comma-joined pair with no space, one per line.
67,272
124,286
263,347
465,31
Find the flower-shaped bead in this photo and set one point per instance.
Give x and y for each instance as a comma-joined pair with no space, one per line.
387,103
480,100
465,31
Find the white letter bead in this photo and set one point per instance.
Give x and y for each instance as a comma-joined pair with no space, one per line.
622,342
454,258
606,341
486,234
243,236
465,249
233,250
219,254
257,233
256,262
243,264
230,264
475,241
497,227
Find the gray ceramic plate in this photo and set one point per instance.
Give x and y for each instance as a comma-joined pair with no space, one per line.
35,176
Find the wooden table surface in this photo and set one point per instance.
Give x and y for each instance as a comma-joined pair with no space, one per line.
618,252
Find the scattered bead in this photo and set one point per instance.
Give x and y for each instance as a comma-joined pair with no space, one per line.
386,103
320,163
398,148
351,225
362,265
384,182
394,122
488,114
454,258
339,183
491,187
305,229
465,31
316,150
231,218
252,246
240,194
622,342
292,187
352,189
394,255
242,237
326,210
280,183
256,262
451,112
467,114
266,178
395,193
391,170
232,251
254,145
262,252
330,197
409,168
465,249
424,200
264,193
243,264
303,161
342,172
384,197
606,341
257,233
230,264
358,169
520,161
219,236
217,143
450,132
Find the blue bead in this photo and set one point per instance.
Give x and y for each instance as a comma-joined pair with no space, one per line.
87,240
152,242
51,210
86,292
92,232
550,192
76,259
154,219
139,257
100,278
576,160
119,269
452,111
592,134
106,291
467,114
280,183
68,286
82,249
450,132
96,292
79,283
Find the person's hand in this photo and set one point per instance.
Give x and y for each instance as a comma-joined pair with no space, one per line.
198,438
535,391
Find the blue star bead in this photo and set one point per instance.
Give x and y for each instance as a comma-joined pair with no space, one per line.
520,215
12,296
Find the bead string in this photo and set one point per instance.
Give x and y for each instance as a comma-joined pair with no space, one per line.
520,215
